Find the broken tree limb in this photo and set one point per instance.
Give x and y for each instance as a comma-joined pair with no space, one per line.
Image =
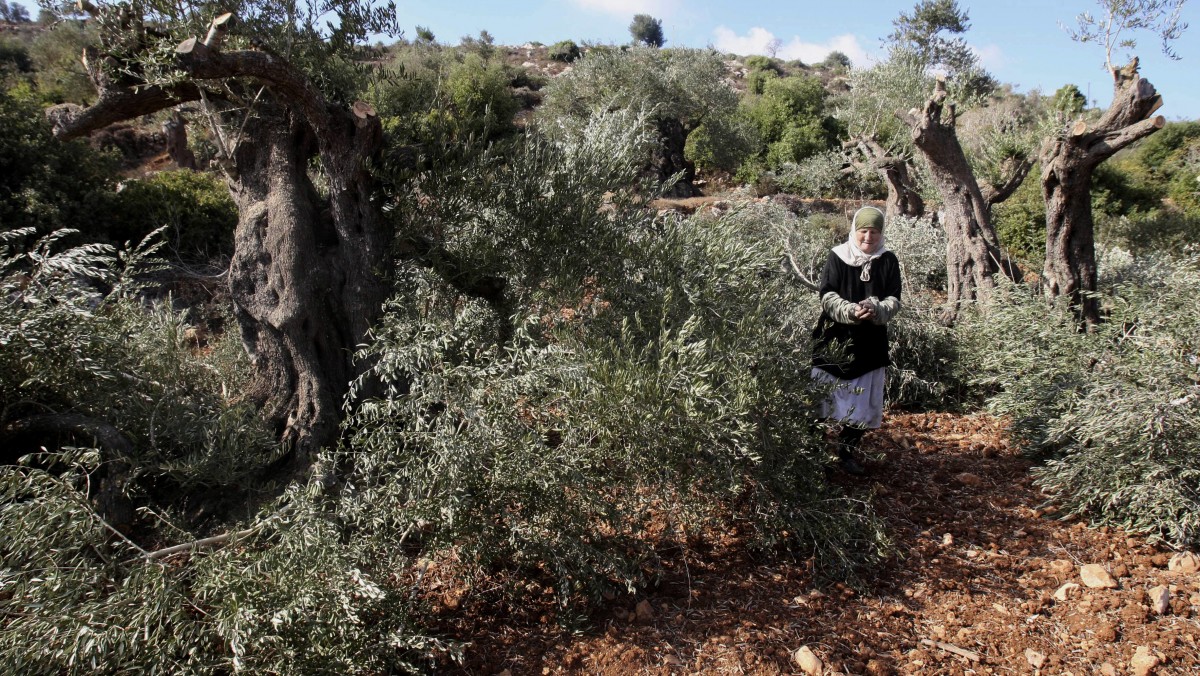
950,648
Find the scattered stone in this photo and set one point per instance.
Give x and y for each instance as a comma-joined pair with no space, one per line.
1036,660
1160,600
1095,577
1105,631
1107,669
1120,570
1061,567
1064,592
1184,562
1144,662
808,661
877,667
968,479
644,612
947,540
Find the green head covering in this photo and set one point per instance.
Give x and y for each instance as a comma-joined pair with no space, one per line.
868,217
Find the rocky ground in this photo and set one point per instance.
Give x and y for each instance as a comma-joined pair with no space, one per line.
985,580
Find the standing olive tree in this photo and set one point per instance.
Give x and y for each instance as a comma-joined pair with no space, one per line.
1070,157
276,83
685,88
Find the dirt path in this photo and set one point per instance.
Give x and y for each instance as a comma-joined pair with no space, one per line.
971,592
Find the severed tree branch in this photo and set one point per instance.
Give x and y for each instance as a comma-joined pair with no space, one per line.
995,194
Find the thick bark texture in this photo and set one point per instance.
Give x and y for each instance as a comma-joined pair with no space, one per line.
307,276
903,198
1068,162
669,159
972,248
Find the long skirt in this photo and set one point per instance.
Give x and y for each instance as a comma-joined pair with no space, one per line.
857,402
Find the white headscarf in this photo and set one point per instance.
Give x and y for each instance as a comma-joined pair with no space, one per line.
853,256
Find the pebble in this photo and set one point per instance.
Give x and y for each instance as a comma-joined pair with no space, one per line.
1036,660
968,479
1064,592
1095,577
1061,567
1160,600
644,612
1144,662
1184,562
1107,669
808,661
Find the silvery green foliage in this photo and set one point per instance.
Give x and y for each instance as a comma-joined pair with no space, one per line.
876,93
1116,411
824,175
682,84
668,385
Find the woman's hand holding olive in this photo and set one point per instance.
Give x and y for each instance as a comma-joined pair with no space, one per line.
864,311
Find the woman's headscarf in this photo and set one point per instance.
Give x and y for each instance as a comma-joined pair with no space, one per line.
866,217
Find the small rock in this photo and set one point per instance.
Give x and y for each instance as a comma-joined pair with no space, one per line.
1184,562
1160,600
877,667
1064,592
947,540
968,479
808,661
1095,577
1143,662
1107,669
1061,567
644,612
1036,660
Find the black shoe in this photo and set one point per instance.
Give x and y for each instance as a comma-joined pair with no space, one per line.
851,466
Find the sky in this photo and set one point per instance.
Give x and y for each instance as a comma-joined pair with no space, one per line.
1020,42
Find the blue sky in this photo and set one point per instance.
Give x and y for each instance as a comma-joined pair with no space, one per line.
1021,42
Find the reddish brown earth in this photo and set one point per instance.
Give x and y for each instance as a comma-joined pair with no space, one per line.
970,589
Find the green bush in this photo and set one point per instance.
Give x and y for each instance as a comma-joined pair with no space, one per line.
791,120
47,183
565,51
1116,411
195,208
1021,222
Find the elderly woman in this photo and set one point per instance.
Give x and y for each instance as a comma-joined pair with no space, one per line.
860,293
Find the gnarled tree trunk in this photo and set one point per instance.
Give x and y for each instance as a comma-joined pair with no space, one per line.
1068,162
972,248
670,159
308,272
903,198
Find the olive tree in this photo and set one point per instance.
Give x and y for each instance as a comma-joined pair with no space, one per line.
685,87
277,83
1070,156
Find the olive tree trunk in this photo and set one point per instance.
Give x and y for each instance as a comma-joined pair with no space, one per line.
308,271
972,248
1068,162
903,199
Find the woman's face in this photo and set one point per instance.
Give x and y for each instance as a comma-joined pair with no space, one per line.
868,239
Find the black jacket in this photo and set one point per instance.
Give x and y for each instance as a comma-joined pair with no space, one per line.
865,344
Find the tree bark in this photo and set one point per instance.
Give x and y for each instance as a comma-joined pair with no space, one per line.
669,159
903,198
1068,162
972,247
308,272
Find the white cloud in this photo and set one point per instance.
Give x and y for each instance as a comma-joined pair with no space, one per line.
627,8
757,40
991,57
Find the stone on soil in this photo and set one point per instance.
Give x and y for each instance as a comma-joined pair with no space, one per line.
1144,662
808,661
1160,600
1095,577
1036,660
1064,592
1184,562
644,612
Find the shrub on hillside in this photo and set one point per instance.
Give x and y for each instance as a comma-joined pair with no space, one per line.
194,207
564,50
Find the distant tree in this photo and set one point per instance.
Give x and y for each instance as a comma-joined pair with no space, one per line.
565,51
425,35
685,87
13,12
1072,154
647,30
773,46
1068,100
933,31
836,60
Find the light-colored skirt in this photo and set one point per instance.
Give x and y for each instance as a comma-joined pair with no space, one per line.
855,402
